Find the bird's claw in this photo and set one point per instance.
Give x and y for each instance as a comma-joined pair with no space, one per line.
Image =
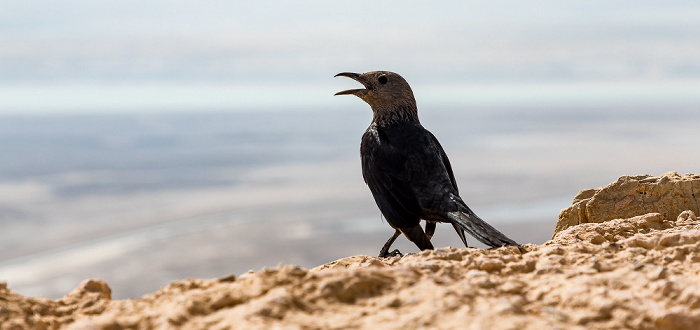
395,253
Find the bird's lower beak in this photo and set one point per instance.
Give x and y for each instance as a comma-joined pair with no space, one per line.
356,77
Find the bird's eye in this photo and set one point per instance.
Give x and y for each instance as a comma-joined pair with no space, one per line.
382,80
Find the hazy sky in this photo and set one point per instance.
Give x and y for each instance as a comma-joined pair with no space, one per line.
93,55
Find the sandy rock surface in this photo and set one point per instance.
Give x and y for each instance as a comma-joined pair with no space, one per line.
641,272
668,194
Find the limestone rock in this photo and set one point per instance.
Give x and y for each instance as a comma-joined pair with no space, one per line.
630,196
639,273
91,297
634,272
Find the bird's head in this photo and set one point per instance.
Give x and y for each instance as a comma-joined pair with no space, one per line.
386,92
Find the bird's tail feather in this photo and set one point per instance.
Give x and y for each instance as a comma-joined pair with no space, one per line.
482,231
460,232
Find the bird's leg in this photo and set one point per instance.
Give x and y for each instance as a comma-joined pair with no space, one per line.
384,253
416,235
430,228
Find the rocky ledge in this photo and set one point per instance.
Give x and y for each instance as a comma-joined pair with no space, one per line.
636,272
668,194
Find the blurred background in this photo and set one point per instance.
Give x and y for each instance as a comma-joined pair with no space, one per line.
147,142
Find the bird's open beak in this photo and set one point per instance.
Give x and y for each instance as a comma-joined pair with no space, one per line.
354,76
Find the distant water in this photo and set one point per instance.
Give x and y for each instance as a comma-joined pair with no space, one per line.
143,199
180,147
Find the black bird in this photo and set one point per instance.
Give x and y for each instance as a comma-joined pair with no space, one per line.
407,170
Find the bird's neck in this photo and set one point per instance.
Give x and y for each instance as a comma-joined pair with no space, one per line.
385,116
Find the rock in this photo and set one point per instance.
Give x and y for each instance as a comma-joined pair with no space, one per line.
640,272
629,196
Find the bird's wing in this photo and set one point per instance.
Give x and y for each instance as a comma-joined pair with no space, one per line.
385,171
448,167
445,161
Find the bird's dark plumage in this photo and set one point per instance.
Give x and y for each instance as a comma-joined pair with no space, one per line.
407,170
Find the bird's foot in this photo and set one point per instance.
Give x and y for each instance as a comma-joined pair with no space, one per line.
395,253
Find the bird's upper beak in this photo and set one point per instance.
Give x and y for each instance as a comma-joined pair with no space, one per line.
357,77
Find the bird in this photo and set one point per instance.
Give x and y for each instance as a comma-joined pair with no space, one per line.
408,171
